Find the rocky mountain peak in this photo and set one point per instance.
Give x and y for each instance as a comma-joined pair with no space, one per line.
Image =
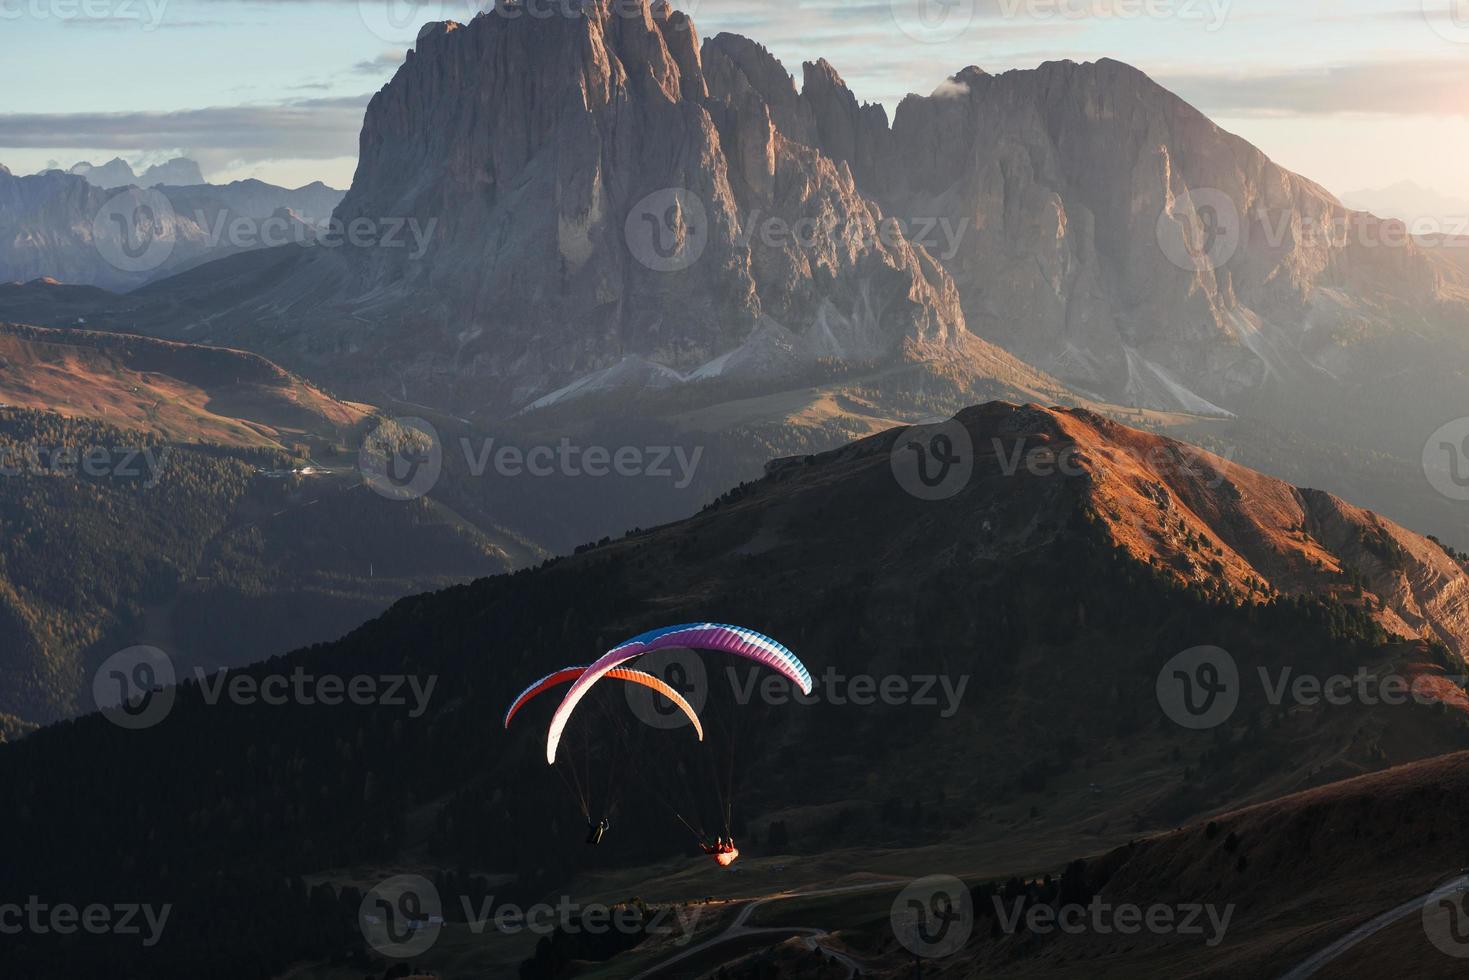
114,173
676,173
608,188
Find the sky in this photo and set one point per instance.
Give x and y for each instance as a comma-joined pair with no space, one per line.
1352,93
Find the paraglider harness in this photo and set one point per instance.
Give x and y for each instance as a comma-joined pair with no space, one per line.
595,832
722,851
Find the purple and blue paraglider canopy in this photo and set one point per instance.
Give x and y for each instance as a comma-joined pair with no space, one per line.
736,640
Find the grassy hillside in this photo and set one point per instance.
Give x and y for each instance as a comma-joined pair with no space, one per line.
182,392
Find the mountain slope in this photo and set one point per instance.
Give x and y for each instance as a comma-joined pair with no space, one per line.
218,555
182,392
1036,587
1118,239
181,496
1299,873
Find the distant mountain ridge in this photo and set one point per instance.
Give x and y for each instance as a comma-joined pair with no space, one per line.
66,227
1420,207
117,172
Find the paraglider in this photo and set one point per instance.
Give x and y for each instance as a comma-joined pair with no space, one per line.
597,830
703,636
735,640
569,674
722,851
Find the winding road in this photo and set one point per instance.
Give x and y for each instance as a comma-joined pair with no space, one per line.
741,930
1373,927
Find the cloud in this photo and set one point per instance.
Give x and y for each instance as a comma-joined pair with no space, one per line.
385,63
1398,88
322,128
950,88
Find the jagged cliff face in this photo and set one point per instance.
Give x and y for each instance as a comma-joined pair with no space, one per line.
1110,233
606,202
600,195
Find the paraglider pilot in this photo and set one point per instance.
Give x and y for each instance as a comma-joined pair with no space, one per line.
595,832
723,851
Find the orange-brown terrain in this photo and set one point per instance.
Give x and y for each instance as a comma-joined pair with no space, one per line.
182,392
1209,522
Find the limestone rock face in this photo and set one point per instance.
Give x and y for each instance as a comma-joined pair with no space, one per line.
1106,231
604,187
1078,215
